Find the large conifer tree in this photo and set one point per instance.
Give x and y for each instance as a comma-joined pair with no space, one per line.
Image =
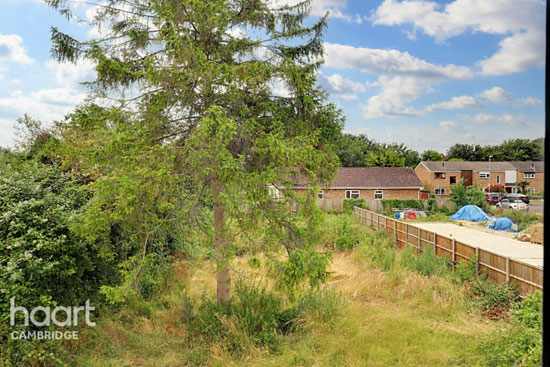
201,74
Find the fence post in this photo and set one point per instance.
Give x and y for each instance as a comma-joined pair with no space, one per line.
507,270
419,243
477,260
454,254
406,233
435,243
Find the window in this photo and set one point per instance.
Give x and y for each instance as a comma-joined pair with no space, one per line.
531,190
529,175
498,179
439,191
439,175
321,194
484,175
378,194
352,194
453,179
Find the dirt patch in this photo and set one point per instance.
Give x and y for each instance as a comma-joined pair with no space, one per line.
496,313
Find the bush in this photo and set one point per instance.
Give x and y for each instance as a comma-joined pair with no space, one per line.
350,203
378,249
389,204
520,342
467,195
344,235
427,263
256,317
487,294
466,270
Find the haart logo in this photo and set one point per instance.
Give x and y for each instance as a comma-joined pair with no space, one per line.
59,316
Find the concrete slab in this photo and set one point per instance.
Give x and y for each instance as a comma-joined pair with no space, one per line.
528,253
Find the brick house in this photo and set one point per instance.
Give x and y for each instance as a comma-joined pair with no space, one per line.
440,176
371,183
532,172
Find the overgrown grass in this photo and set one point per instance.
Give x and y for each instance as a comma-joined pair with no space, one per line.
381,307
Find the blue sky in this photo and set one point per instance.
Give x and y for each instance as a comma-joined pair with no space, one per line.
428,74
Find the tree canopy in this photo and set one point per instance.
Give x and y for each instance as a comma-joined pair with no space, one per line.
197,80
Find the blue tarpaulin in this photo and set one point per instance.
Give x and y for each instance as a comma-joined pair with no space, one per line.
472,213
502,224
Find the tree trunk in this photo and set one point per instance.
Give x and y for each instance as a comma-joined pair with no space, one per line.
223,275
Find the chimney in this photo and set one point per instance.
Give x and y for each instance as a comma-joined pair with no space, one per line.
532,165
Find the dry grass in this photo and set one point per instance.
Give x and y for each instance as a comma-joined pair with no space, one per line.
390,318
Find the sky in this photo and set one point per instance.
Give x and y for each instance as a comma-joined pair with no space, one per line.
428,74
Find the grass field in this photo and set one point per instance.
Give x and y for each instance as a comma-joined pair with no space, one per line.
385,318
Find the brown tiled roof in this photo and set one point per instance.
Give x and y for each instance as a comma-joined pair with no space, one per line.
452,166
529,166
374,178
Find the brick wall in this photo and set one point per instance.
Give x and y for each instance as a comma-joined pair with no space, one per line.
428,179
369,194
537,182
484,182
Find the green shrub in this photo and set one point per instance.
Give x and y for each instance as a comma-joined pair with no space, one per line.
377,249
467,195
466,270
389,204
528,312
520,342
344,234
427,263
350,203
256,317
486,294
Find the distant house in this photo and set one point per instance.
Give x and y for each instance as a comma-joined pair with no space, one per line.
440,176
371,183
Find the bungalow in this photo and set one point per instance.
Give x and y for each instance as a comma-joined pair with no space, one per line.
371,183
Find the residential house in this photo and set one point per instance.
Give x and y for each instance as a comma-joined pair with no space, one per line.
371,183
532,172
440,176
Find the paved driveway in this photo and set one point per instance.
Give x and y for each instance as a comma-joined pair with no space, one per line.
526,252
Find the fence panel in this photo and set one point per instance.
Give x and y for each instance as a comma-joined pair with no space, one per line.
499,268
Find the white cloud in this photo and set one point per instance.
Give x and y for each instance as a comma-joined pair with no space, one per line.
506,118
402,77
457,103
451,126
340,87
46,104
378,61
522,21
396,92
12,50
517,53
69,74
499,95
6,132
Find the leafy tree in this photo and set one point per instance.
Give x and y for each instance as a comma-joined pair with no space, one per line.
389,158
353,150
431,155
411,157
509,150
206,89
522,185
467,195
467,152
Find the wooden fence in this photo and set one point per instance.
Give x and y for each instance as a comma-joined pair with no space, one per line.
499,268
336,205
